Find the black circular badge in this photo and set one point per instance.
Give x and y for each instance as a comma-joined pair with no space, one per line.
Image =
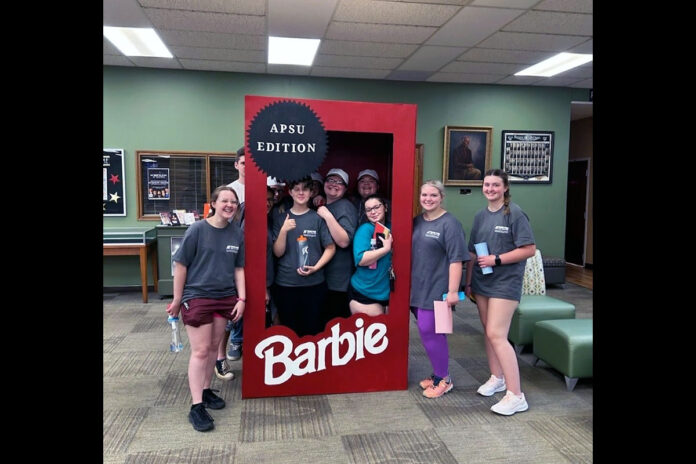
287,140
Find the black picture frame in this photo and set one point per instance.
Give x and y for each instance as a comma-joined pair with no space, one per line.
527,156
113,181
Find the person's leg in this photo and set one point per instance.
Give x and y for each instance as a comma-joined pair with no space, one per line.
493,363
499,317
309,301
235,337
374,309
284,299
199,373
435,344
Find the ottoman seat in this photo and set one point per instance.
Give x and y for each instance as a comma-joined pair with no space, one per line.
565,345
532,309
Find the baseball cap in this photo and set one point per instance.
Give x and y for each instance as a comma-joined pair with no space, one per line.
340,173
368,172
316,176
273,182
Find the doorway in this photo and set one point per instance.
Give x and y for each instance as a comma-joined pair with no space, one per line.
576,211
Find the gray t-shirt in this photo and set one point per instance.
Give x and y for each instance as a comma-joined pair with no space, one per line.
434,246
312,227
340,269
210,256
502,233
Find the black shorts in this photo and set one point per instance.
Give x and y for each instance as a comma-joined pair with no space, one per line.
353,294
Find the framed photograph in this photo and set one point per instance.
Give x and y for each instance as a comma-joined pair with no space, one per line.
528,156
467,155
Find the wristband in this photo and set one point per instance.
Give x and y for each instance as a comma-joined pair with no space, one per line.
242,299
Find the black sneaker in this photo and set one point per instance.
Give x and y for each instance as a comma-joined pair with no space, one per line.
211,400
200,419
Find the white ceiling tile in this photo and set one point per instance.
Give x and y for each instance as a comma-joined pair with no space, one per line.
471,25
448,2
482,68
527,41
393,50
349,72
519,80
550,22
288,69
115,60
557,81
389,12
250,7
230,66
222,54
210,22
378,33
493,55
581,72
465,78
214,40
574,6
150,62
524,4
370,62
585,47
584,84
399,75
124,13
299,18
429,58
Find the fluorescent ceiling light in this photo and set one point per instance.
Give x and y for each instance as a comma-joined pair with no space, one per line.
137,41
556,64
284,50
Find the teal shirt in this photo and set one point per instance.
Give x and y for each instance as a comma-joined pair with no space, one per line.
373,283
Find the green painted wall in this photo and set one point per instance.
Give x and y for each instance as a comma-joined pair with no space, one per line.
162,109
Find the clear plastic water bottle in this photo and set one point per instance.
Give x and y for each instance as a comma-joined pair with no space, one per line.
373,246
175,344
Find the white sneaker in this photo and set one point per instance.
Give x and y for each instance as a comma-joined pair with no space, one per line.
510,404
492,385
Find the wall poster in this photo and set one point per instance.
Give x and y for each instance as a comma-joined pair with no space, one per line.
113,182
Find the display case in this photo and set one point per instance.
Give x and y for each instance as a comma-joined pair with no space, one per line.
129,235
133,241
168,241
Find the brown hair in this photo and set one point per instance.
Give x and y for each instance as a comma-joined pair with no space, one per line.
506,196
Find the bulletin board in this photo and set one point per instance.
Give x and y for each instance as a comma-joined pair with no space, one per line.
113,182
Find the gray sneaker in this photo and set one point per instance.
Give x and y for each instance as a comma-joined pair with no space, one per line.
235,351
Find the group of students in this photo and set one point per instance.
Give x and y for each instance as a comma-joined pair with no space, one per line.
323,262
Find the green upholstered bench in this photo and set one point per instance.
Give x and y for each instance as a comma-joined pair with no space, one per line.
532,309
565,345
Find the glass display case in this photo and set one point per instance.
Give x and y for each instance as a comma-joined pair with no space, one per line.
129,235
133,241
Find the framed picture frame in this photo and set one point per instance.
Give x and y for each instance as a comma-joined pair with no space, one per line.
467,155
528,156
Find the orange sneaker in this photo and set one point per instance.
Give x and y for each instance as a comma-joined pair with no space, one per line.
439,390
425,383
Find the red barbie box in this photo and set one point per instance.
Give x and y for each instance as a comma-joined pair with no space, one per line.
289,138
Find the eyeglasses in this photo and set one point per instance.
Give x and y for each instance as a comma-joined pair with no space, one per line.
374,208
333,180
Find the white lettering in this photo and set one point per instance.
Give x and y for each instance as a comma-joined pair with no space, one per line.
274,129
372,338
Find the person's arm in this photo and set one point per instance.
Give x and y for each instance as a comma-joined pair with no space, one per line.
371,256
338,233
280,243
239,282
455,279
178,288
326,256
512,256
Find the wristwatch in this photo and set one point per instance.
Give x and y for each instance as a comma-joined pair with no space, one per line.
497,260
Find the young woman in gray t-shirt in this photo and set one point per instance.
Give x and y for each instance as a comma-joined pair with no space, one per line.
505,228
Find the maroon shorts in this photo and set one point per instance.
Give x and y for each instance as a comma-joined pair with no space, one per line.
199,311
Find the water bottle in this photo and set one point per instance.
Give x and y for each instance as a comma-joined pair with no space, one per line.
175,344
373,246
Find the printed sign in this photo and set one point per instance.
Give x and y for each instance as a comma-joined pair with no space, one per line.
158,183
113,182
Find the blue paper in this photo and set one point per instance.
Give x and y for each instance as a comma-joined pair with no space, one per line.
482,250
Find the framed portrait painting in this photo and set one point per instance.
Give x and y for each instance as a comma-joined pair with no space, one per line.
527,156
467,155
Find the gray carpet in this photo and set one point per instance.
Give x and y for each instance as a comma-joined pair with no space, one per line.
146,402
